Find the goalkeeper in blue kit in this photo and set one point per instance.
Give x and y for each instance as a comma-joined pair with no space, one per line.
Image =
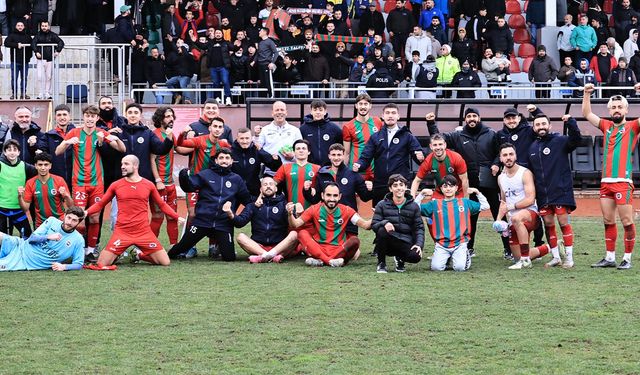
51,244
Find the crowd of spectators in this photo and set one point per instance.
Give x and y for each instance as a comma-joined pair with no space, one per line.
347,43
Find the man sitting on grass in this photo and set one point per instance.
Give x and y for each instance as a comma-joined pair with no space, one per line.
51,244
271,240
451,226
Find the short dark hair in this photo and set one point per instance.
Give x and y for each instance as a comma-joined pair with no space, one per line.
365,97
391,105
10,142
436,137
449,180
336,146
210,101
302,141
133,105
397,177
330,184
506,145
91,110
223,150
542,115
317,103
42,156
219,119
158,115
62,107
265,29
415,53
75,210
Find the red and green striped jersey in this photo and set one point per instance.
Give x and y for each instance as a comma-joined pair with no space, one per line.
204,150
451,219
452,164
294,176
330,226
358,133
618,145
87,162
164,163
46,197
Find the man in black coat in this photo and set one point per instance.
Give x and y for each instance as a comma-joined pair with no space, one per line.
398,226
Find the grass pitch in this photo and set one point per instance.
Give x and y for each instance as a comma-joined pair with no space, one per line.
201,317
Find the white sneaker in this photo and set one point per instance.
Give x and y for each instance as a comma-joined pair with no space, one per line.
553,263
522,263
338,262
218,100
567,264
313,262
227,101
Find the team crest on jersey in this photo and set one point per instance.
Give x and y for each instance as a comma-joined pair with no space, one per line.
514,137
228,184
450,169
153,245
325,137
546,151
461,208
54,191
344,181
275,210
340,221
311,174
140,140
396,141
375,130
252,161
68,243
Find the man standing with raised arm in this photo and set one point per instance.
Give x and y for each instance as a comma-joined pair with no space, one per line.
616,185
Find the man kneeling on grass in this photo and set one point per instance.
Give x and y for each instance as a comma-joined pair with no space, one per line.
51,244
271,240
451,224
398,226
330,244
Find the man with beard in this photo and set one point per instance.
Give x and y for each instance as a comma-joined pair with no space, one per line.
108,119
132,227
61,165
46,45
616,185
329,244
51,244
518,202
442,162
400,23
550,165
271,240
356,133
248,160
19,42
216,185
477,143
390,149
88,183
25,132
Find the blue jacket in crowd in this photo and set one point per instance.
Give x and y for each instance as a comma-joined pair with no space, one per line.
391,157
215,186
269,222
321,135
549,163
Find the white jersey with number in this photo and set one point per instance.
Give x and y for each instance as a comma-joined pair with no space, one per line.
513,188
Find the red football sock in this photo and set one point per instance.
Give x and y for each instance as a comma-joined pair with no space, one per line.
92,234
629,238
567,234
172,230
544,250
524,250
610,237
155,225
552,238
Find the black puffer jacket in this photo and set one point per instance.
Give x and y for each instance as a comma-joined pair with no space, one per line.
406,220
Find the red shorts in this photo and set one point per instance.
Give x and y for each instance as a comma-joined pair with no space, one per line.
266,247
621,192
554,210
145,241
86,196
170,196
192,198
531,225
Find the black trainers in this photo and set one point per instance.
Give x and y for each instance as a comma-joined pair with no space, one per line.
382,268
624,265
604,263
91,258
508,255
472,253
399,264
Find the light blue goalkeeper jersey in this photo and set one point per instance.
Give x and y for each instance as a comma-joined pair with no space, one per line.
17,254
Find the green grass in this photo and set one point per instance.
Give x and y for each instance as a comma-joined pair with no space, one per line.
202,316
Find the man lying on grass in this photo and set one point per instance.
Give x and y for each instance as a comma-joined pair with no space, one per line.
51,244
